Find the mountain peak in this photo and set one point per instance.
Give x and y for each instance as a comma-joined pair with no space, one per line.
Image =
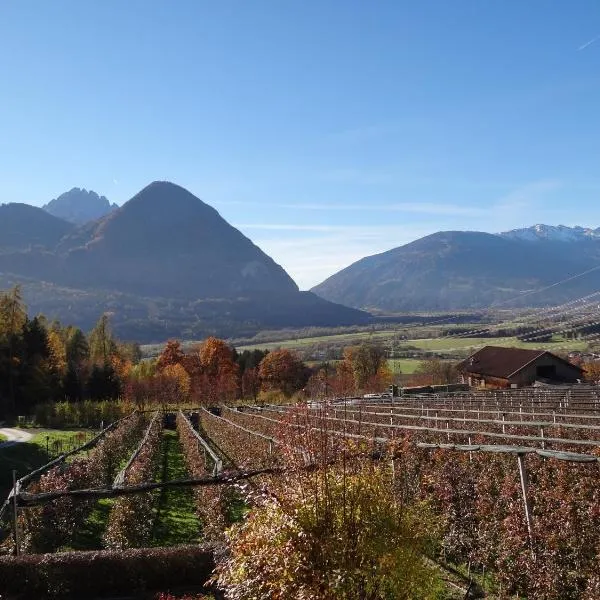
79,206
552,233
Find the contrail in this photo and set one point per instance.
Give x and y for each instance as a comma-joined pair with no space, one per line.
584,46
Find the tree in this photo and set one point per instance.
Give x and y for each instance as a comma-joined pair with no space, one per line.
172,354
77,348
181,376
250,383
435,372
13,317
282,370
219,372
591,371
367,366
102,344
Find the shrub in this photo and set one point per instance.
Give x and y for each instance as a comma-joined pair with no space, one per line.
82,575
335,533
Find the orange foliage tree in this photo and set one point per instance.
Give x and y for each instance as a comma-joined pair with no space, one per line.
591,371
217,376
282,370
172,354
364,368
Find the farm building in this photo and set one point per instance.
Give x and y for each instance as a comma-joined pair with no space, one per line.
496,367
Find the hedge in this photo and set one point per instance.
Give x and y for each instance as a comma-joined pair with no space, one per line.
105,573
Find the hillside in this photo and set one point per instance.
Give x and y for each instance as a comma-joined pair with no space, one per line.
23,227
164,264
467,270
79,206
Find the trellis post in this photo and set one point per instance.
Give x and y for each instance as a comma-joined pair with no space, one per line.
526,503
15,513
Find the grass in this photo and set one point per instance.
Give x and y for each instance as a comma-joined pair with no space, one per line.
176,521
450,344
404,366
27,456
89,537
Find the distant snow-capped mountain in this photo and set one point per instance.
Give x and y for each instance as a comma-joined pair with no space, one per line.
552,233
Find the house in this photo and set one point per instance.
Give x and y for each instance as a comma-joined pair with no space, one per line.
496,367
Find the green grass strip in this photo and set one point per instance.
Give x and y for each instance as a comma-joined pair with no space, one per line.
176,521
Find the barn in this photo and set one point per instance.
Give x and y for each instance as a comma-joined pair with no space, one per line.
497,367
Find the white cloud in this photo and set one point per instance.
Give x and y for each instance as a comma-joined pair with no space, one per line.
314,251
311,259
588,43
527,195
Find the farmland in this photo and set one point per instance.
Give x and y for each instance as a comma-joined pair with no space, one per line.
533,458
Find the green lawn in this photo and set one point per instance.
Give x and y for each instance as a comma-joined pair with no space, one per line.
441,344
404,366
28,456
450,344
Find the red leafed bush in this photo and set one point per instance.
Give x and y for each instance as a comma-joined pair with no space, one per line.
105,573
208,498
53,525
130,521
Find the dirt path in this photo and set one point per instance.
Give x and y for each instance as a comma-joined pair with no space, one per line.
14,436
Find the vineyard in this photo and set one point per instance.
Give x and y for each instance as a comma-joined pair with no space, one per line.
510,480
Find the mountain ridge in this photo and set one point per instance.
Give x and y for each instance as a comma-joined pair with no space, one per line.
163,262
468,270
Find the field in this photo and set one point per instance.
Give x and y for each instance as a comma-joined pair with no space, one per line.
441,345
441,448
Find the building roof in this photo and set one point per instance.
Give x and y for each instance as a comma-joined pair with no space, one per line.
496,361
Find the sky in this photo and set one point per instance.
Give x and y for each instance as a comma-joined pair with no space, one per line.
325,130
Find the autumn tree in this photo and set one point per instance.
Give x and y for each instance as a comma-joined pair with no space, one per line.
282,370
250,383
172,354
368,365
219,372
435,372
13,317
591,371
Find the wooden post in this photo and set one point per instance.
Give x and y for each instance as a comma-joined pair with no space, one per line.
503,425
542,436
15,513
526,503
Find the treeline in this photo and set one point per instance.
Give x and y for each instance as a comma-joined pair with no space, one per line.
42,360
214,373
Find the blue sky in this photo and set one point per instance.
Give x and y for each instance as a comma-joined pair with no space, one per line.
325,130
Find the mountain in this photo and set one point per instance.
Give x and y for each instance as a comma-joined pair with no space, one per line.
469,270
79,206
553,233
23,227
166,239
164,264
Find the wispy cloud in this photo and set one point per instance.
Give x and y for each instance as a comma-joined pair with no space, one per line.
311,259
426,208
527,195
588,43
